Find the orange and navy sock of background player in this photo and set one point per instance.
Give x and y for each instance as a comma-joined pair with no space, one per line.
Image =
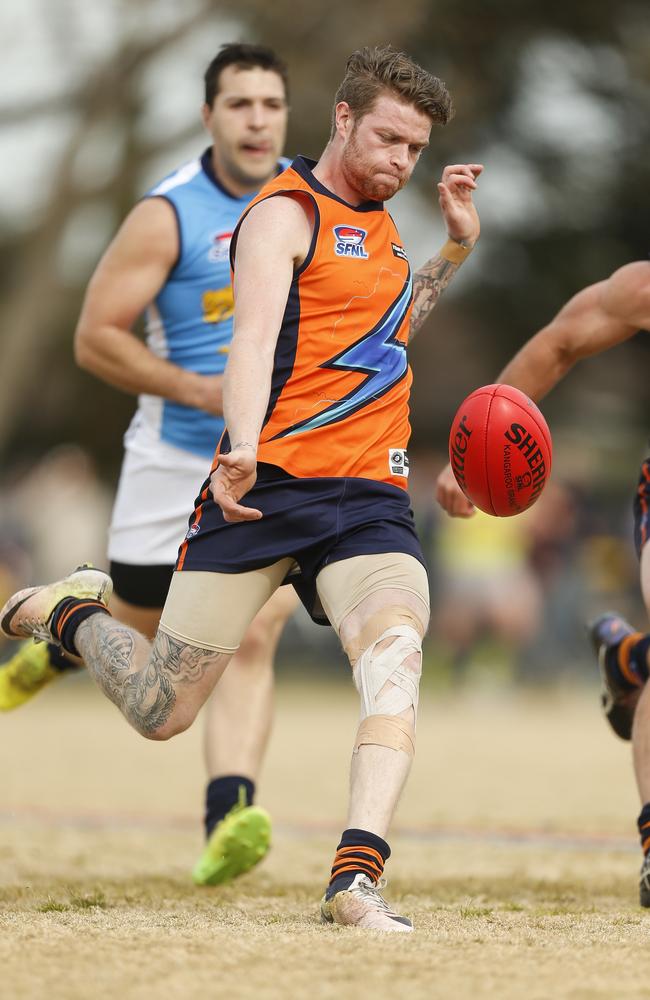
643,823
68,616
359,853
628,660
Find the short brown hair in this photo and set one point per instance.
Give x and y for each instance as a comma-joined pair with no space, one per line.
371,71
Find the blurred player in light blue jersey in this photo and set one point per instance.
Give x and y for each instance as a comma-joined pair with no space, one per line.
170,259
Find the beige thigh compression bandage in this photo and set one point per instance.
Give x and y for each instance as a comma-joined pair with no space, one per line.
379,605
213,610
343,585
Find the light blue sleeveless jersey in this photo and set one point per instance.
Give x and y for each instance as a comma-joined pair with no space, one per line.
190,321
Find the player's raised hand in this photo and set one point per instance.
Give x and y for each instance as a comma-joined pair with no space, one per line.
233,478
450,496
456,203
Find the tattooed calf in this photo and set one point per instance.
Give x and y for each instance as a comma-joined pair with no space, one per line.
139,679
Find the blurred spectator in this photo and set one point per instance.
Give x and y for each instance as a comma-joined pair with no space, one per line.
485,585
63,509
15,563
557,526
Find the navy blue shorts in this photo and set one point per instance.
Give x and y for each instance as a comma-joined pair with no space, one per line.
312,521
642,508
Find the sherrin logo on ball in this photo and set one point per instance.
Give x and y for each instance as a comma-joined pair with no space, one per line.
500,450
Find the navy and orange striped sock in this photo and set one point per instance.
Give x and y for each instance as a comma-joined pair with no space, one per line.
359,853
68,616
628,660
643,824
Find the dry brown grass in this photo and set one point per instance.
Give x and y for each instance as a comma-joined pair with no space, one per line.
515,859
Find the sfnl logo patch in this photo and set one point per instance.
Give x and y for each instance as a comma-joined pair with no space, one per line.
349,241
398,462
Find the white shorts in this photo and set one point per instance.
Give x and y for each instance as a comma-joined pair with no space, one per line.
155,497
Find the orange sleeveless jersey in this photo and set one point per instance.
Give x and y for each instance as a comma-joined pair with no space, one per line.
341,381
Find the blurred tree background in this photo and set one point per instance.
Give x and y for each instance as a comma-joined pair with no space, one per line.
101,98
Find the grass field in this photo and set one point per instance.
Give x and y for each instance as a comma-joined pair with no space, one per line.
514,852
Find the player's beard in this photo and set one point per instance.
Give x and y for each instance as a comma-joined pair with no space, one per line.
359,175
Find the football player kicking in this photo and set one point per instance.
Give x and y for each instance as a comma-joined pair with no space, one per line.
170,259
594,320
309,482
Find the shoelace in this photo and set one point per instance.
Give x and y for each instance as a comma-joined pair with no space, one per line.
645,873
370,892
38,630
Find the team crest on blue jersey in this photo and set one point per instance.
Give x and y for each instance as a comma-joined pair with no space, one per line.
220,249
349,241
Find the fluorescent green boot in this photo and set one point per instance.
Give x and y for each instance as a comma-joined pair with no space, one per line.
25,674
236,844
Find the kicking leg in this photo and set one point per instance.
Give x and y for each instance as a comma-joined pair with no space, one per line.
36,665
158,689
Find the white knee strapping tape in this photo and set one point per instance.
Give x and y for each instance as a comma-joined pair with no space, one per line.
372,671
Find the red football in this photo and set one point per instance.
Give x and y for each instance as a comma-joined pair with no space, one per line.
500,450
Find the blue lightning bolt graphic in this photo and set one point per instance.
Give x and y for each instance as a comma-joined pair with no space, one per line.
381,358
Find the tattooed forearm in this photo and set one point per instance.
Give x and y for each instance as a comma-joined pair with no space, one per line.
428,285
141,682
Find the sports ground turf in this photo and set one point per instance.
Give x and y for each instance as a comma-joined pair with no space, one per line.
514,852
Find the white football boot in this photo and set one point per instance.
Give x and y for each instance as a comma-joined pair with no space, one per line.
28,614
362,905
